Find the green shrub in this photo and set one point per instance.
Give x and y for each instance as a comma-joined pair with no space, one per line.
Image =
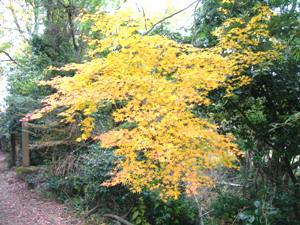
82,189
227,205
173,212
266,208
260,213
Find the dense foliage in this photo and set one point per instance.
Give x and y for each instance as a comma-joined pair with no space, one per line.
264,117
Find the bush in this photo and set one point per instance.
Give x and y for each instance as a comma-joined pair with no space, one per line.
82,188
83,191
266,208
228,204
173,212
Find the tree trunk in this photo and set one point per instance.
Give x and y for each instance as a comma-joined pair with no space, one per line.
25,145
13,149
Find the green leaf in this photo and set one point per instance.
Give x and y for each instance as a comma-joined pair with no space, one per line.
135,215
257,204
138,221
251,219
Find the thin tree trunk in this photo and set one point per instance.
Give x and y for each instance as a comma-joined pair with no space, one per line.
25,145
13,149
72,28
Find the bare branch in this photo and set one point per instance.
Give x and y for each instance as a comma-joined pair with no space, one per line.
230,184
10,58
11,8
92,211
170,16
120,219
144,14
8,28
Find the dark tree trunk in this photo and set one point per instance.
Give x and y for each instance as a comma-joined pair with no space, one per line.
13,149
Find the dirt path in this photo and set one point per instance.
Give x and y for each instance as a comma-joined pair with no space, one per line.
21,206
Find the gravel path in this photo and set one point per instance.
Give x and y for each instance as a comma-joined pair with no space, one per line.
21,206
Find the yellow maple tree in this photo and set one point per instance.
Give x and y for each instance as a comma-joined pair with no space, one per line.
161,81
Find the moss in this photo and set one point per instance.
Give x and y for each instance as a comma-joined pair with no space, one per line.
31,175
23,171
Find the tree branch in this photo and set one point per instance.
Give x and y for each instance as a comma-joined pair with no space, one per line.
10,58
11,8
170,16
144,14
229,184
120,219
93,210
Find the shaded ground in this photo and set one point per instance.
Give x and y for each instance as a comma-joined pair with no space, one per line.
21,206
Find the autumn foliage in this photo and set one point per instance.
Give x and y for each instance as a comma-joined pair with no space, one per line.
159,83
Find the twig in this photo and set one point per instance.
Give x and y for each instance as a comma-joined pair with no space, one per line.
204,214
8,28
93,210
8,55
168,17
235,219
14,15
120,219
145,18
127,213
229,184
144,15
195,28
200,214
